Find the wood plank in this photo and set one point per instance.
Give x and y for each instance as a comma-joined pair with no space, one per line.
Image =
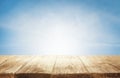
99,67
11,65
69,67
3,59
59,66
6,75
114,61
38,67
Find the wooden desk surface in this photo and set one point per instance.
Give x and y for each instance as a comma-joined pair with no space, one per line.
59,66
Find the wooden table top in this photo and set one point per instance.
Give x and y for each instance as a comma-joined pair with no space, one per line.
59,66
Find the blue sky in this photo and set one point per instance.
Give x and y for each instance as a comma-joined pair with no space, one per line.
70,27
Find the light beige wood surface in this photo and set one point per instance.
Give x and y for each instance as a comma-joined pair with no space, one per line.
68,66
59,66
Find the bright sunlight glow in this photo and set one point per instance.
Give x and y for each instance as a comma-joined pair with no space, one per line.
68,30
58,39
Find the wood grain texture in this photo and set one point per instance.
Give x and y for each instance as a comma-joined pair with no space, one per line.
59,66
99,67
37,67
3,59
69,67
11,65
114,61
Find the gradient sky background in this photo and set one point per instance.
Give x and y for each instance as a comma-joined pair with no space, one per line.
72,27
